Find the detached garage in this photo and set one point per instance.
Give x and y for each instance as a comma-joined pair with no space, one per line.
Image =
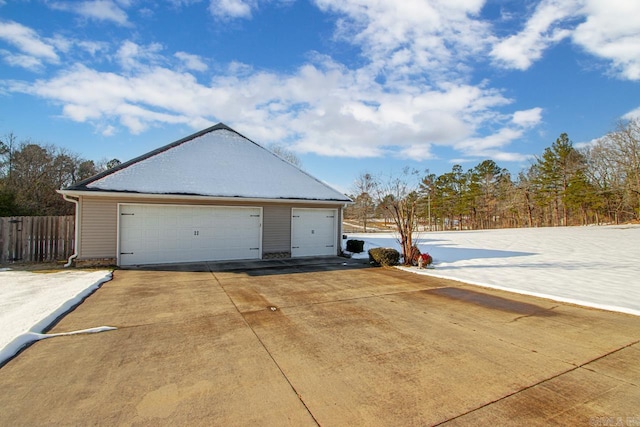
214,195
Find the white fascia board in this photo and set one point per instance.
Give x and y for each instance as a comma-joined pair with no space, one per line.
122,195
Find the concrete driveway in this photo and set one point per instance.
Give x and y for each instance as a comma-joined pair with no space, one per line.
323,344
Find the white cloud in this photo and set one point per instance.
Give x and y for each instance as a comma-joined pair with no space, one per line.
191,62
131,55
92,47
527,118
632,115
28,41
505,156
492,145
588,144
416,152
179,3
321,108
606,29
98,10
232,8
478,146
612,31
108,130
19,60
541,31
421,50
37,51
412,36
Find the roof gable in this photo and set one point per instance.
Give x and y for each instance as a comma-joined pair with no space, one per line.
216,162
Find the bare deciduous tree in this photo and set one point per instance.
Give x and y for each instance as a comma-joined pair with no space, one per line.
625,144
285,154
31,173
364,188
399,196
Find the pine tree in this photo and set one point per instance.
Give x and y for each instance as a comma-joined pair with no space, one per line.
556,168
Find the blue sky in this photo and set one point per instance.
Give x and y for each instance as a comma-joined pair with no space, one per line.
348,85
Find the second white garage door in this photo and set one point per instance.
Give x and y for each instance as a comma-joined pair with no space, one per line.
314,232
153,234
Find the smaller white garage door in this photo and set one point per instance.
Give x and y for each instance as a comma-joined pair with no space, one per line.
156,234
314,232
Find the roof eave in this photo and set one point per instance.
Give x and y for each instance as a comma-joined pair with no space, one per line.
161,196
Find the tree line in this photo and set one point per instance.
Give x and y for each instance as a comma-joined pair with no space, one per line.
596,184
30,174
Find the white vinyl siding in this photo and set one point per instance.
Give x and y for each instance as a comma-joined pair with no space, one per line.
276,229
98,228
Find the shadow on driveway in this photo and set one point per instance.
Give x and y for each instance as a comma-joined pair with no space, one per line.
261,267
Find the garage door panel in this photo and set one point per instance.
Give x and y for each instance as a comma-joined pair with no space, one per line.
164,234
168,237
313,232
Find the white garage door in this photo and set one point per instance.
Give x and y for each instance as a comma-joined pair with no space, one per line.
313,232
152,234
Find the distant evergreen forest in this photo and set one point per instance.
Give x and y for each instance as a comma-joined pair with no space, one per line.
597,184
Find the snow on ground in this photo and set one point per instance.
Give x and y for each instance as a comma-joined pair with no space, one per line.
31,301
592,266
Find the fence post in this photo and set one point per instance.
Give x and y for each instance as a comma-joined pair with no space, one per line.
18,229
4,240
55,240
27,246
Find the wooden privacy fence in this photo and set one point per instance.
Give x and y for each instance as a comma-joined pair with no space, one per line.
36,238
